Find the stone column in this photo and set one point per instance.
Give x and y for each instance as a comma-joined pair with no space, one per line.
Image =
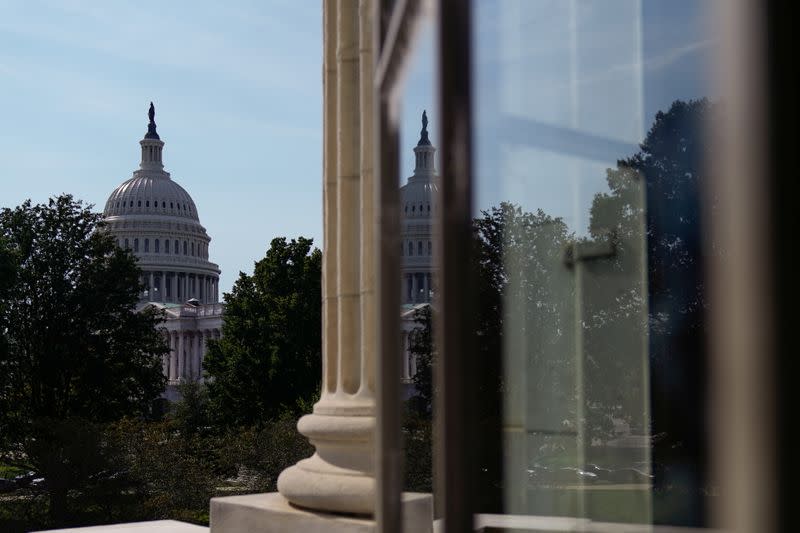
180,355
339,476
414,288
150,289
173,356
166,357
426,290
190,354
204,338
163,287
198,356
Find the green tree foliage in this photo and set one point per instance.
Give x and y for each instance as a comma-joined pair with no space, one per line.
270,354
8,274
421,349
76,354
671,163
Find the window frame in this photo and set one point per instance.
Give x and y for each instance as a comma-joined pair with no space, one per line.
395,26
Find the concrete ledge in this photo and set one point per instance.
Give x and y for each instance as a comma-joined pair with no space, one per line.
272,513
157,526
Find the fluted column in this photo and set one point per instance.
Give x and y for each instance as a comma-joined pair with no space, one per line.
205,336
198,356
181,358
173,356
339,476
166,357
150,289
190,355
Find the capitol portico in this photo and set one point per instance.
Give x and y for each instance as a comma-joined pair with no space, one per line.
157,219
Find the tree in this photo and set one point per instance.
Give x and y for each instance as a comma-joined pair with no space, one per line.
269,357
76,353
8,274
671,163
421,349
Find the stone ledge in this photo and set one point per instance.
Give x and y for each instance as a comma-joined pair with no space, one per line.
271,513
157,526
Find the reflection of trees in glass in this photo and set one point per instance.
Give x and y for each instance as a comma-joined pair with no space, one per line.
646,300
421,350
671,162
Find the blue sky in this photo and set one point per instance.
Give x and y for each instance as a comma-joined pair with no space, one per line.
591,73
238,96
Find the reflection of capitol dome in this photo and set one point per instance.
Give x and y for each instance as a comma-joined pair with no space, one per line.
156,218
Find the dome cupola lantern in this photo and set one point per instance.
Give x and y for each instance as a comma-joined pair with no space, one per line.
152,145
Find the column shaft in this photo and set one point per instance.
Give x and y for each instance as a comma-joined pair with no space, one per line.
181,358
348,201
173,356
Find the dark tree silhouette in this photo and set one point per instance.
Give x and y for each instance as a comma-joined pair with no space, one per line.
76,353
269,358
671,163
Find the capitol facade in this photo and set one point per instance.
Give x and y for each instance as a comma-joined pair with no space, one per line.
419,201
154,217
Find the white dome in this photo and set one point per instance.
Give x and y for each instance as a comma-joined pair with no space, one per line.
157,220
150,194
419,198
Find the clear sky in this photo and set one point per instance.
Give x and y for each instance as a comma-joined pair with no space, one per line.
563,89
238,93
238,96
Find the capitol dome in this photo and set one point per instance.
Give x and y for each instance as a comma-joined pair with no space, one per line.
151,194
157,219
419,201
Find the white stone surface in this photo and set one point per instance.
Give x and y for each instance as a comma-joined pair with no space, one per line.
272,513
157,526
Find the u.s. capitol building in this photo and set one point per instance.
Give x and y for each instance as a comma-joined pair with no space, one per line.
156,218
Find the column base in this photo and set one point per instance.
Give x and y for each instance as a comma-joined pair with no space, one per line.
338,478
272,513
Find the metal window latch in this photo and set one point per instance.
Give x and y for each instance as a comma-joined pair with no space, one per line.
602,248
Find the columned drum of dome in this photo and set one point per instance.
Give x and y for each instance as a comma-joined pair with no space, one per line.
156,218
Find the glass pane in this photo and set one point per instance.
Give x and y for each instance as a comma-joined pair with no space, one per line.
589,156
419,198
